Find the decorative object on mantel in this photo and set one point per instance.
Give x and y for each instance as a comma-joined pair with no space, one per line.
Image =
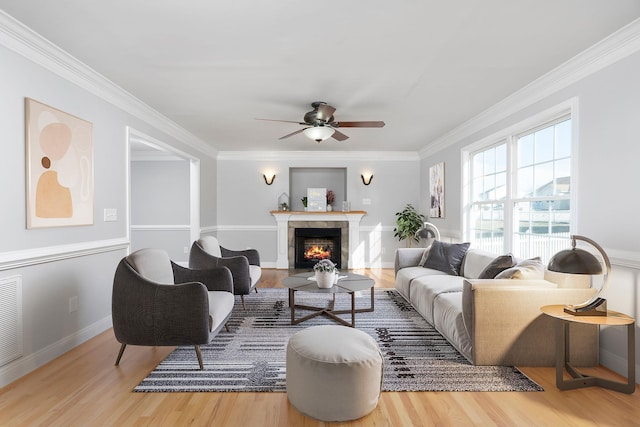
305,202
325,273
330,199
580,261
269,177
316,199
346,206
283,202
408,222
366,177
436,186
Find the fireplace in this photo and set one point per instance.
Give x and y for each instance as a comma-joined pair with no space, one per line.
314,244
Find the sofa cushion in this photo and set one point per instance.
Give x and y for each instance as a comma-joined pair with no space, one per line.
475,260
406,275
527,269
446,257
498,265
424,291
448,320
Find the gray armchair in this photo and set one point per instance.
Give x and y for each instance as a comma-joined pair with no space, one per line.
244,264
156,302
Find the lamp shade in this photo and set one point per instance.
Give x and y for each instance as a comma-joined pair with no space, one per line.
319,133
575,261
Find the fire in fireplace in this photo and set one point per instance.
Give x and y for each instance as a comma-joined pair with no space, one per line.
314,244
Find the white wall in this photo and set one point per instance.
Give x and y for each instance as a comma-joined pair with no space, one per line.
245,201
606,180
57,264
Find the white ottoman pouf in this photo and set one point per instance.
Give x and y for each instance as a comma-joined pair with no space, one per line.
334,373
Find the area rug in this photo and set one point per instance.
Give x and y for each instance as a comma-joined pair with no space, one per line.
251,357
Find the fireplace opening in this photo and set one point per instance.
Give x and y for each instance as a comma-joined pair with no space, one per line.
315,244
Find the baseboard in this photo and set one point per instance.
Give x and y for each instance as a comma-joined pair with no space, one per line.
616,363
26,364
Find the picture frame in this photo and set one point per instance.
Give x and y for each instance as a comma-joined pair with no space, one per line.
59,167
436,191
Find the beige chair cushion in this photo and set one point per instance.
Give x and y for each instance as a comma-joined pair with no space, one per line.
210,245
152,264
220,305
334,373
254,272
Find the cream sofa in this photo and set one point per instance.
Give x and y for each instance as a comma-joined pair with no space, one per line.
496,321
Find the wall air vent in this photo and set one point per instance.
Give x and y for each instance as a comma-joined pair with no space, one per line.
10,319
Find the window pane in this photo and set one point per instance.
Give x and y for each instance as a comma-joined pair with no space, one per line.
544,145
525,182
478,160
563,139
525,150
501,158
542,228
487,227
543,180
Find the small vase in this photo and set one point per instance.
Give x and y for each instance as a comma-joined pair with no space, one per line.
324,279
329,208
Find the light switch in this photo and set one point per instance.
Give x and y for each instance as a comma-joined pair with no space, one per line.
366,201
110,215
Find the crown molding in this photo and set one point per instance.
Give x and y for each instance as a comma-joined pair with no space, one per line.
19,38
320,155
617,46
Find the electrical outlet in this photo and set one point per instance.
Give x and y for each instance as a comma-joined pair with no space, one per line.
110,215
186,249
366,201
73,304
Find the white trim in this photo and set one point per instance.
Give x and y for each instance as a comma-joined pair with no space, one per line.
319,155
247,228
161,227
627,259
33,361
608,51
28,257
19,38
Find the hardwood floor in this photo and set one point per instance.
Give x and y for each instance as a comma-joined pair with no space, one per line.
84,388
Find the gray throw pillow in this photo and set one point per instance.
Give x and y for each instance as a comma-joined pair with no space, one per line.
527,269
498,265
446,257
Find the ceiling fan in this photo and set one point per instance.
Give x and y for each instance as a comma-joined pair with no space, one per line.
321,125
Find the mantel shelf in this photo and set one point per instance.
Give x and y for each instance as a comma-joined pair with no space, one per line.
317,212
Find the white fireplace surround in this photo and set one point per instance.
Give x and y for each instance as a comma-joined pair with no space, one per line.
356,252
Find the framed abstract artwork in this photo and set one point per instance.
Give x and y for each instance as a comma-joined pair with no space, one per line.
436,189
59,167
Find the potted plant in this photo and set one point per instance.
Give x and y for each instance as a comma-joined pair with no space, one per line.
408,221
325,271
304,202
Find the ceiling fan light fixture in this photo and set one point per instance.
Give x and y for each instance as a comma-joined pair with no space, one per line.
319,133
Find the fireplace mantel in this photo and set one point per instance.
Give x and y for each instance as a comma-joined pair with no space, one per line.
356,257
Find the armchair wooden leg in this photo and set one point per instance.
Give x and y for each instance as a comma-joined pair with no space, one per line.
226,326
199,354
256,289
122,347
243,304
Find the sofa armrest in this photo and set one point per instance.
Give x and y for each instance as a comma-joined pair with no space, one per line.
407,257
506,326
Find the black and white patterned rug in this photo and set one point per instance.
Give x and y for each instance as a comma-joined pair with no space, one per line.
251,357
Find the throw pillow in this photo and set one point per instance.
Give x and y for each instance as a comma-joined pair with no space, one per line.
425,254
446,257
498,265
527,269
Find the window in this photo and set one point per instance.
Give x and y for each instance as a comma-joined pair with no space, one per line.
519,197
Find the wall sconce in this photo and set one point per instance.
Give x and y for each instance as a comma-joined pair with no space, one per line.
366,178
269,177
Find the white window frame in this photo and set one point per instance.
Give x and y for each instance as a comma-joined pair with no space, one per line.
509,135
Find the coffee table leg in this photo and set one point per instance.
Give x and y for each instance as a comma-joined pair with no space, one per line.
292,304
353,309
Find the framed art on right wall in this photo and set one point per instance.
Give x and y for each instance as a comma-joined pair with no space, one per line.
436,189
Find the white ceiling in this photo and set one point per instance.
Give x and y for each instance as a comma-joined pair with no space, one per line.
423,67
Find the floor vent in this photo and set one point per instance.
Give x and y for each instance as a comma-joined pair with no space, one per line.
10,319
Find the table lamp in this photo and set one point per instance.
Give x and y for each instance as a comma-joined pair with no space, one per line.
580,261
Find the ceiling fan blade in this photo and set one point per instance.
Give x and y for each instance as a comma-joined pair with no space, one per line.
325,112
292,133
282,121
371,124
337,135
